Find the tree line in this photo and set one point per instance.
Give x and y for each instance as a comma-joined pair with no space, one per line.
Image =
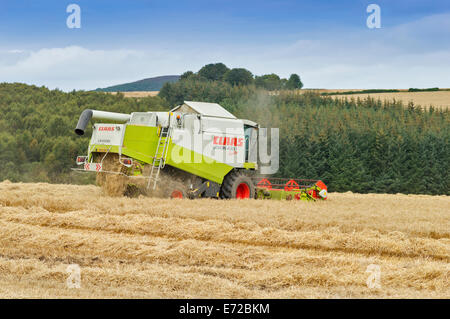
219,72
37,139
359,145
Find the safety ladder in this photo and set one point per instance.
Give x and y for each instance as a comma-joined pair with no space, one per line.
159,160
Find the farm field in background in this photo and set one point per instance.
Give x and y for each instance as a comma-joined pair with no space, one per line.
138,93
157,248
439,99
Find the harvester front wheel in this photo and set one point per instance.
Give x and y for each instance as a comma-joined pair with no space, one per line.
237,185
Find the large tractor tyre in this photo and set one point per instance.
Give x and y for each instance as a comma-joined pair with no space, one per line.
237,185
175,189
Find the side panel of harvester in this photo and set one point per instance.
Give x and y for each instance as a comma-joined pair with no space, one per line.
199,153
207,147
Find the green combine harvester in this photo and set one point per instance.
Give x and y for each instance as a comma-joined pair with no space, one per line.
196,150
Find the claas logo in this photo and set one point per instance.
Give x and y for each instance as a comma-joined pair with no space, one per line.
230,141
106,128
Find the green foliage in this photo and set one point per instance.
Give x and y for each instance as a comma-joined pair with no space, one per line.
238,76
221,74
213,72
362,92
423,90
37,142
196,89
358,145
382,91
272,82
186,75
269,82
294,82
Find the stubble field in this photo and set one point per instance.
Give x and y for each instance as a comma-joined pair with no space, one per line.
157,248
439,99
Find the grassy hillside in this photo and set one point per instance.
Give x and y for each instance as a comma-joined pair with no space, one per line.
150,84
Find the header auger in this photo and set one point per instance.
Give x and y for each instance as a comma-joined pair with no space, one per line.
195,150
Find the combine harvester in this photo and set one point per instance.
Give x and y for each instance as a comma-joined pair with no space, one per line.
195,150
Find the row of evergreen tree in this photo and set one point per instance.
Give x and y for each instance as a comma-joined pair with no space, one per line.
37,139
359,145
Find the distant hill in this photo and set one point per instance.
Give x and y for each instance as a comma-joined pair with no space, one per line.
150,84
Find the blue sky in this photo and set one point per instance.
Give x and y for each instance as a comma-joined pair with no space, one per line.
327,42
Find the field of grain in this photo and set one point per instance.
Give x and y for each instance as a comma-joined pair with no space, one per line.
138,93
439,99
157,248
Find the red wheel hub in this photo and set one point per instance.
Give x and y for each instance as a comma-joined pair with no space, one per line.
176,194
243,191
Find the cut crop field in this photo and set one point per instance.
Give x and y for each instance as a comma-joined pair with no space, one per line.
138,93
158,248
439,99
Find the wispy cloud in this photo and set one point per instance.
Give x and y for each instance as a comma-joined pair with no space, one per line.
73,67
413,54
15,51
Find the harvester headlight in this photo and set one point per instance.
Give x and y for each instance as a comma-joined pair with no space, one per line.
81,160
323,193
128,162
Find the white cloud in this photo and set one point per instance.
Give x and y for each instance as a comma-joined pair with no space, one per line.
408,55
15,51
415,54
72,67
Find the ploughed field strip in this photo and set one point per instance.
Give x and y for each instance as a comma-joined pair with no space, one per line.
203,248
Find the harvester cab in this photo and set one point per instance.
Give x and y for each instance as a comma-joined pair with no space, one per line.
195,150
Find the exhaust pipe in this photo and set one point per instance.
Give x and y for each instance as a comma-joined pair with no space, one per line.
88,114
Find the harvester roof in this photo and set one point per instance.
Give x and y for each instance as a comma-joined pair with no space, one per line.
205,109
